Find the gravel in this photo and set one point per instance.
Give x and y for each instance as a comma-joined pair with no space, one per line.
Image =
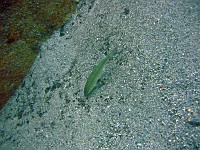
149,93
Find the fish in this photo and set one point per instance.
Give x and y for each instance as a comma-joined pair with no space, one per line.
96,73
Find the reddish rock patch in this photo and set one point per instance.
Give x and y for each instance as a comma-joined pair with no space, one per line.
24,25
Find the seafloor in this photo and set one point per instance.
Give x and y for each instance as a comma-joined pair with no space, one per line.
147,97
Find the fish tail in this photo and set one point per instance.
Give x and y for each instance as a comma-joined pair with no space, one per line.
114,51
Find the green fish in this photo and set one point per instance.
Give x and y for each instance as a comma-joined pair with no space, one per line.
96,74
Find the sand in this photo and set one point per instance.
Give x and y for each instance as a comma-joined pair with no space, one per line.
148,95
